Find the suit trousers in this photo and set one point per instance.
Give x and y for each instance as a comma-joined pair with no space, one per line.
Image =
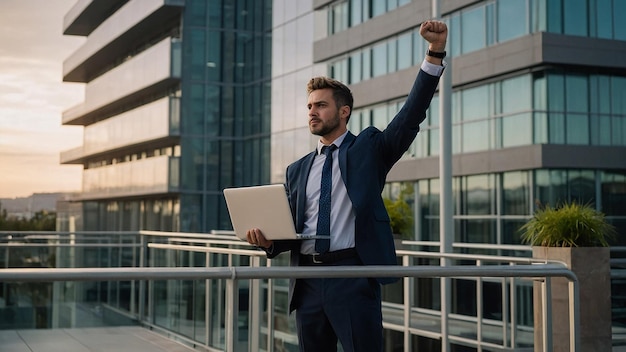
344,309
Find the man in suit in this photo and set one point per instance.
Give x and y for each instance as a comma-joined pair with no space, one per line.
348,309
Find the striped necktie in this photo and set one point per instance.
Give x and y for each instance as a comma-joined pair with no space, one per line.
323,216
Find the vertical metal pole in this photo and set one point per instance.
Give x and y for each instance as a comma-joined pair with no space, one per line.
408,303
446,233
231,329
143,247
208,338
574,316
479,310
547,314
271,314
508,294
254,307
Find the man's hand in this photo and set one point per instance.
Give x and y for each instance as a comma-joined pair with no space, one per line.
255,237
436,34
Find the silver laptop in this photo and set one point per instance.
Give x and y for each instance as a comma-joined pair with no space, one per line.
263,207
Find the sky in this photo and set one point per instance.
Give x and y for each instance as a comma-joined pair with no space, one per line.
33,97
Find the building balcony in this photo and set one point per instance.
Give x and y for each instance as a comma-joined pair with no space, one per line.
149,176
152,72
86,15
149,126
135,22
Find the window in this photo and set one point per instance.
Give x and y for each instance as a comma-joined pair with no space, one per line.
405,59
577,121
475,103
604,19
478,195
338,17
355,68
575,20
517,130
619,9
515,193
516,94
379,59
473,30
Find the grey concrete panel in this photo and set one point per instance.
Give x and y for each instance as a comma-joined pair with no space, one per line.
317,4
373,30
448,6
530,157
584,51
384,88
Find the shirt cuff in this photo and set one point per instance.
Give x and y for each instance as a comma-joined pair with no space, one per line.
432,69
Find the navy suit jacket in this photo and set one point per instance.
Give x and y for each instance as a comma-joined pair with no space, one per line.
364,161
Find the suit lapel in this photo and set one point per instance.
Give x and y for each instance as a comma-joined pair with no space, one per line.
343,157
307,163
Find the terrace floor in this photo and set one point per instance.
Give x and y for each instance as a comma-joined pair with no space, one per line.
107,339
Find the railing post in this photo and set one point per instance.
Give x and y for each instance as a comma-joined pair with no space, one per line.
231,333
547,314
479,309
408,303
254,308
270,312
207,303
511,302
574,316
142,283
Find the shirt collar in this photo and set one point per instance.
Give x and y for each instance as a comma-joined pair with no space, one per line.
337,142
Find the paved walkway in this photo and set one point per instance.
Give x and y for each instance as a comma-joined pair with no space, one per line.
110,339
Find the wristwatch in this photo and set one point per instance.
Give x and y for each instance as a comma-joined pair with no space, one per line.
439,55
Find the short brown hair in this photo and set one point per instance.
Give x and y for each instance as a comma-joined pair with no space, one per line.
341,93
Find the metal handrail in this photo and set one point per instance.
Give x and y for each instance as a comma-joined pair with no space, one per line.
247,273
232,274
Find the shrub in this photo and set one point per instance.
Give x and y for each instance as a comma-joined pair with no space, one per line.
568,225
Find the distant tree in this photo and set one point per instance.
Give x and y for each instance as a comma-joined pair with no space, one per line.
41,221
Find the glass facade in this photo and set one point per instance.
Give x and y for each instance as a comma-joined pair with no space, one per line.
177,107
490,208
293,34
237,116
155,120
475,28
546,107
225,106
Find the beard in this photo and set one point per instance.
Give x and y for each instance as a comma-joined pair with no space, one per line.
326,127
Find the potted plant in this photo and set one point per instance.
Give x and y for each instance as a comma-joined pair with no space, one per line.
577,235
570,225
401,214
400,217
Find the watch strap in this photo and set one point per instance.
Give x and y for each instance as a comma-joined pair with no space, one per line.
437,54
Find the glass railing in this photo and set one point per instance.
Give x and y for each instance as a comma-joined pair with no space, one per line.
216,291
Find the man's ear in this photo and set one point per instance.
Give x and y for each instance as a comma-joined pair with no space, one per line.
344,112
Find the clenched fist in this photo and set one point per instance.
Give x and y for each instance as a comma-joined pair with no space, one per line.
436,34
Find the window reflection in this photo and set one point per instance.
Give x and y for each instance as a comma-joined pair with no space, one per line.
473,30
512,17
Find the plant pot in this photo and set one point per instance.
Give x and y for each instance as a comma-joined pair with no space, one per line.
591,265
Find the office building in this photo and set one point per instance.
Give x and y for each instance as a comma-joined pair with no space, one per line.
177,104
536,116
184,98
